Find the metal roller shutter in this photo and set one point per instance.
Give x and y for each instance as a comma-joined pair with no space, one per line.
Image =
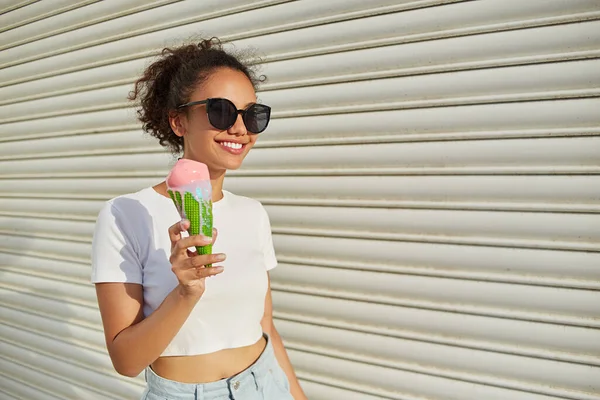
432,177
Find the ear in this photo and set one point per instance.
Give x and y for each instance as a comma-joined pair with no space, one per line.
178,123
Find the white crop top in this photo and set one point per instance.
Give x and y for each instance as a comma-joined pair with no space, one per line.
131,244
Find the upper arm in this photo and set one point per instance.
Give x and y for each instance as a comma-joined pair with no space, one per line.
267,319
121,306
117,270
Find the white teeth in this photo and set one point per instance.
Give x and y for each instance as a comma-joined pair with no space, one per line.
236,146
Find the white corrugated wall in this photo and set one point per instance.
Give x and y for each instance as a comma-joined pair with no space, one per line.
432,176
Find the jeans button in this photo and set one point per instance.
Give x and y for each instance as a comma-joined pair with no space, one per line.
236,385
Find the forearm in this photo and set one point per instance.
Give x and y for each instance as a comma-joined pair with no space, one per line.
136,347
285,363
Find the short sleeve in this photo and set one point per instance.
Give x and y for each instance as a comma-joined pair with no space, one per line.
268,248
114,256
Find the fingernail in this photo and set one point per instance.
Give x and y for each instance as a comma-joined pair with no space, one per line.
182,223
218,269
220,257
206,238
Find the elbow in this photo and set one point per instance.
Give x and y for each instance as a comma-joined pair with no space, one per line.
129,374
124,365
130,371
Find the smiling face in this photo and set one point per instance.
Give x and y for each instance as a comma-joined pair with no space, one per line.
219,149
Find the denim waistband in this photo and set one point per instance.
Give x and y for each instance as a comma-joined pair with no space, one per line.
253,375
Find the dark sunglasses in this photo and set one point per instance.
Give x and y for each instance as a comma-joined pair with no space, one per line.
222,114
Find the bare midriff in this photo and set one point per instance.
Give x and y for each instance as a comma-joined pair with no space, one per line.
205,368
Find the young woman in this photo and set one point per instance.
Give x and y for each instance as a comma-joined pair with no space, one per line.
199,333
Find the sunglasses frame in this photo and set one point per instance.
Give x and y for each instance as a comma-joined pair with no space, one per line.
238,111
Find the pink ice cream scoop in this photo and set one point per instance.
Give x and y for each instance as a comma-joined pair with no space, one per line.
188,184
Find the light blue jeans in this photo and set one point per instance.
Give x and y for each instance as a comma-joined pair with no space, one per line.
263,380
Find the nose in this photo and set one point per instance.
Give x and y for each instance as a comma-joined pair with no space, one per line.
239,128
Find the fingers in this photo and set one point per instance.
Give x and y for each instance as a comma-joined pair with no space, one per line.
201,273
192,241
176,229
193,252
188,266
189,276
201,261
194,268
181,266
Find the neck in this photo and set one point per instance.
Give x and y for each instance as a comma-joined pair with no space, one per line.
216,182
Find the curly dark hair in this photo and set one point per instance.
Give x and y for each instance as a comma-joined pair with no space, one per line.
170,81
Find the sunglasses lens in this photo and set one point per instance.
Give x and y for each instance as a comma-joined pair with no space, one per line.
257,118
221,113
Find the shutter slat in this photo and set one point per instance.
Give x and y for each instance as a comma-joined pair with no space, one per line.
479,331
386,287
67,269
60,246
76,334
43,285
25,298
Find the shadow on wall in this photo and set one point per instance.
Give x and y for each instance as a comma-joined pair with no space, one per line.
38,356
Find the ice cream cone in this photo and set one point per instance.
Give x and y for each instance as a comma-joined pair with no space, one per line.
188,184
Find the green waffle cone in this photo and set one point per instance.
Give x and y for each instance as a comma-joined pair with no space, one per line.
178,199
199,214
